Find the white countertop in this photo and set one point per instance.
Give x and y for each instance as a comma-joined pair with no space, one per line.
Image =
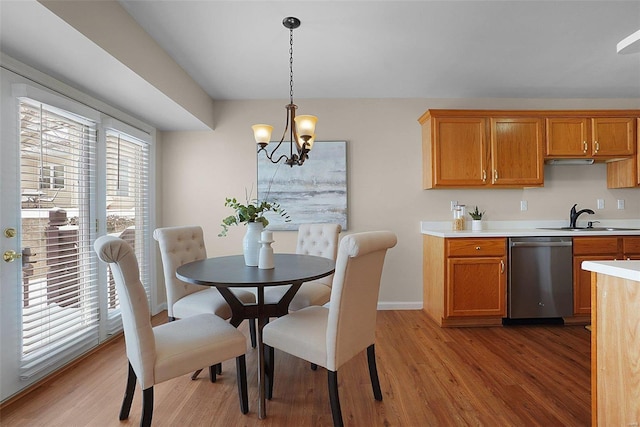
527,229
624,269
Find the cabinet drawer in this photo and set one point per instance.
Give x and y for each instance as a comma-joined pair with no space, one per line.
631,245
476,247
595,245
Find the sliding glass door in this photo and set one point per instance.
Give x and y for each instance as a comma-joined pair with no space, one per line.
69,173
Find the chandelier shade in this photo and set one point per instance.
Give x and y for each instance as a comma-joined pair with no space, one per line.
301,129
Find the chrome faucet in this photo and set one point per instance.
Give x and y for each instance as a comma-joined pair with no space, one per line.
573,216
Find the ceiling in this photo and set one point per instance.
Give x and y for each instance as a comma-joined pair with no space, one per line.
238,50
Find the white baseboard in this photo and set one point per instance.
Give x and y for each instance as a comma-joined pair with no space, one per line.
158,308
408,305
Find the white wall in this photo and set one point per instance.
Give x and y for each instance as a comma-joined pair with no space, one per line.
199,169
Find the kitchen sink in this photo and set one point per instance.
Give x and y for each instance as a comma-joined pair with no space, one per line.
590,228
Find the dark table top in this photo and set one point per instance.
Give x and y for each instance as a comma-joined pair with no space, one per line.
232,271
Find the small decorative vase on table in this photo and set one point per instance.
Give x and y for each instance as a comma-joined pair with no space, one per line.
265,260
251,243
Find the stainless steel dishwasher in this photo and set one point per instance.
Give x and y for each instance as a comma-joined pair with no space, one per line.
540,281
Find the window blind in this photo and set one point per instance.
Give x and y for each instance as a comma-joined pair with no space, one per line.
58,179
127,213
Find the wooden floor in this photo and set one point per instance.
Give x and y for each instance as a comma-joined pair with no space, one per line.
498,376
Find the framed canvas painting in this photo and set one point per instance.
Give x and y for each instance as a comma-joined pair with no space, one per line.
315,192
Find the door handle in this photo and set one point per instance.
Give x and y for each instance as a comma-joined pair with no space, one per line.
10,232
10,256
501,267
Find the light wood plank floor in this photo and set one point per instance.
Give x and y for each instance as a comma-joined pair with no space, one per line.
499,376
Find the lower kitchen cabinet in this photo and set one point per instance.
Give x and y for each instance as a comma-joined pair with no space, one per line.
476,287
465,280
597,248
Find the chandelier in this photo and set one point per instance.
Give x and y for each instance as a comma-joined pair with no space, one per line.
301,128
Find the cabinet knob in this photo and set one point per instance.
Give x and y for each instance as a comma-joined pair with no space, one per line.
585,146
495,174
501,267
477,248
596,147
484,175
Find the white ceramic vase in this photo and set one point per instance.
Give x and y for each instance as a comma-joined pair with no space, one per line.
265,260
251,243
476,225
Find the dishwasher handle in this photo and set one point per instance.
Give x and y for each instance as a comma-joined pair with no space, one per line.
540,244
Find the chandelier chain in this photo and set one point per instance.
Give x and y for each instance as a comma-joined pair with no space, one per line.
291,65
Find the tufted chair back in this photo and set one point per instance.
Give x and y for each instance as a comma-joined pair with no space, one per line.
351,323
178,246
319,240
136,317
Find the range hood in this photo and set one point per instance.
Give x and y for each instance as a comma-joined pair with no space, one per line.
569,161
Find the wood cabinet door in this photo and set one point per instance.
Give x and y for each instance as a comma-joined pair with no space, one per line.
582,283
517,151
637,171
631,247
614,136
459,152
568,137
476,287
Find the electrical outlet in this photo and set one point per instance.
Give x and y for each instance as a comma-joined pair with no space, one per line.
454,203
620,203
600,203
524,205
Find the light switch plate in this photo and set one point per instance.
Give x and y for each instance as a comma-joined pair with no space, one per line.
600,203
620,203
454,203
524,205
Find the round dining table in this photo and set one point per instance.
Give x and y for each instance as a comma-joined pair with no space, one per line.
231,272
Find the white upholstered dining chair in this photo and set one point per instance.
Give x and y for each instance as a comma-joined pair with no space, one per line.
157,354
331,336
313,239
181,245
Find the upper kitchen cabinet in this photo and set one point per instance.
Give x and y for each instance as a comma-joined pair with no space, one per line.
500,148
516,152
613,136
598,138
475,148
456,151
626,173
568,137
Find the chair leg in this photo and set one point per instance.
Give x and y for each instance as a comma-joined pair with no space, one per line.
219,368
334,399
269,356
212,373
241,375
147,407
128,394
252,332
373,372
194,376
